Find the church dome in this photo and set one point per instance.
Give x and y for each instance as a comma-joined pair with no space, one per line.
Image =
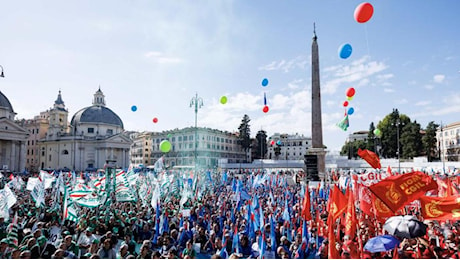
96,114
5,103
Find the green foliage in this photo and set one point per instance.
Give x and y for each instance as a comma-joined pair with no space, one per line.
245,133
394,126
429,141
351,148
261,146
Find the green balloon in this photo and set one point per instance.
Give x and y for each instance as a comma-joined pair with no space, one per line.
165,146
377,132
223,100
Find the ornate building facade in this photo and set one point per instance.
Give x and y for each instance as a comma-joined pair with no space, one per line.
94,137
12,138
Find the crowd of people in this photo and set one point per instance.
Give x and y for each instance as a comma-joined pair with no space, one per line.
233,218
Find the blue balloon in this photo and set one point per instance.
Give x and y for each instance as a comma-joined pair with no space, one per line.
278,142
350,111
345,51
264,82
133,108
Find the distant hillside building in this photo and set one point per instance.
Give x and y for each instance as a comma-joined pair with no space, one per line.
448,137
213,145
289,147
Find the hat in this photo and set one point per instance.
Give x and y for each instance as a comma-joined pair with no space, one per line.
96,241
87,255
283,238
65,233
90,229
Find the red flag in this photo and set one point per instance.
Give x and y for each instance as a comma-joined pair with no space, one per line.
372,205
397,191
440,208
449,187
350,217
370,157
337,203
389,171
306,214
332,250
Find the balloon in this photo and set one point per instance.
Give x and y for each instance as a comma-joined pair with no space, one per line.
169,135
272,142
345,103
363,12
223,100
349,98
345,51
264,82
134,108
165,146
155,120
350,92
278,142
351,111
377,132
265,109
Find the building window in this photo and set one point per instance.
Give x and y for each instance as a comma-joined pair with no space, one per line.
90,130
185,138
65,152
173,139
49,158
110,131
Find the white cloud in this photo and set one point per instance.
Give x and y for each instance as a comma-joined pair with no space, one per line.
388,90
295,84
401,101
428,86
162,58
358,72
423,103
299,62
439,78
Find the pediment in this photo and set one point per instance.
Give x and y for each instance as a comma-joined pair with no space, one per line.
9,130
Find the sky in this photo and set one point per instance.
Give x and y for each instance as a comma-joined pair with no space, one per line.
157,55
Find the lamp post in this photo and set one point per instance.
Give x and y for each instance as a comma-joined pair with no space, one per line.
198,103
398,122
442,150
1,74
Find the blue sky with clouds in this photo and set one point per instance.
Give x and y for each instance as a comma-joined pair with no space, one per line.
158,54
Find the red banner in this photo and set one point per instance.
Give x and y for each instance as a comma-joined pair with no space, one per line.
370,157
444,208
372,205
397,191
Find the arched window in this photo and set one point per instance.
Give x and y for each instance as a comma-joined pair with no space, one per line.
65,152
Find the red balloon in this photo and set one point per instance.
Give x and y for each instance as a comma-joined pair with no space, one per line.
272,142
345,103
155,120
364,12
265,109
350,92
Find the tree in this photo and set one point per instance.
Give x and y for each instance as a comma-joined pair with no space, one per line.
261,142
245,133
429,141
371,139
351,148
389,127
411,141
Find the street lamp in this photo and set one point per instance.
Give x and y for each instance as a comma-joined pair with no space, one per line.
398,122
1,74
198,103
442,150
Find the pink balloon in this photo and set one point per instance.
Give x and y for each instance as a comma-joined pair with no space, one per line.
155,120
345,103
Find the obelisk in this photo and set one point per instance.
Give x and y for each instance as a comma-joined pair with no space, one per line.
317,148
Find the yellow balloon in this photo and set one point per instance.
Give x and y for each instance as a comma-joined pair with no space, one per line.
350,98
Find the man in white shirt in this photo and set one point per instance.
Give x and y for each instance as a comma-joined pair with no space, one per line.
85,240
